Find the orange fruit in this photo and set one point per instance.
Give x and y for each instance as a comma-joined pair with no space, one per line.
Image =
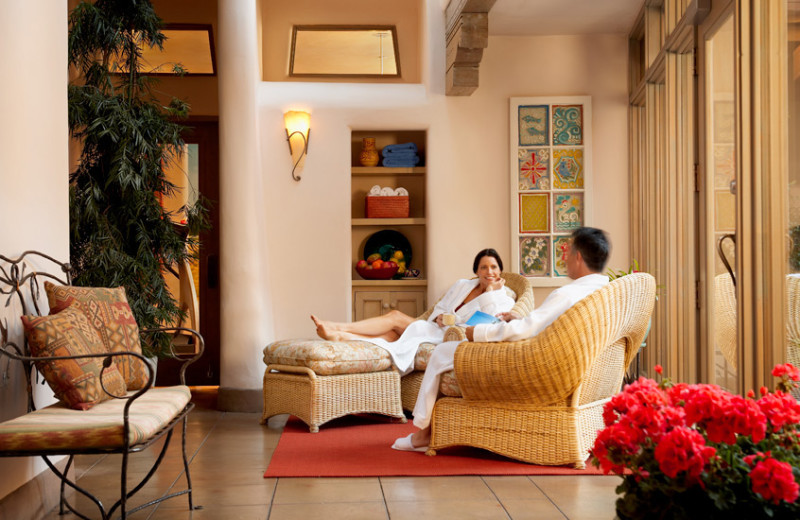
377,264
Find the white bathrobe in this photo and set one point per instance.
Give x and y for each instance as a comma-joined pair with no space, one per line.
404,349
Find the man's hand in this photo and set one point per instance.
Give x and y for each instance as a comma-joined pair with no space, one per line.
507,316
468,332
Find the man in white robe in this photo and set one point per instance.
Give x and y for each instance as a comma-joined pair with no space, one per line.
586,257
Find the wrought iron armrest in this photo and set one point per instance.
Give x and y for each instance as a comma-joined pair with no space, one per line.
187,359
13,351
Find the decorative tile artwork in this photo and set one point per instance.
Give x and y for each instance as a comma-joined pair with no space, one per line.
534,168
567,212
568,168
567,124
559,252
551,141
533,125
534,253
534,213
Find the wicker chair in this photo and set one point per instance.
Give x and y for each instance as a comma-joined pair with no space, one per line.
541,400
409,384
793,324
725,317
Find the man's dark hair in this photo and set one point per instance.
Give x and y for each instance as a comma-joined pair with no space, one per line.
486,252
593,246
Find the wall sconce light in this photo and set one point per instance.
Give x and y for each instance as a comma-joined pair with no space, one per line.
297,124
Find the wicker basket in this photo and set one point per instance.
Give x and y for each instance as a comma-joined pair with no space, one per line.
387,207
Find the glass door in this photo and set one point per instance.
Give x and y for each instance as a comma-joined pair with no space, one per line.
793,268
718,200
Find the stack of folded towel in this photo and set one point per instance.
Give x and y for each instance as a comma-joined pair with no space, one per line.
400,155
378,191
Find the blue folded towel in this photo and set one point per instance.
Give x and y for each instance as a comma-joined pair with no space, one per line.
400,153
399,147
405,162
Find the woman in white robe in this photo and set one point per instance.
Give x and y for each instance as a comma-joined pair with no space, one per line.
401,334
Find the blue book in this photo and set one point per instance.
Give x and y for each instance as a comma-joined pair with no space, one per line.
481,317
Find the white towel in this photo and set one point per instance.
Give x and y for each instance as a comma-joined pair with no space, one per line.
401,192
387,192
375,191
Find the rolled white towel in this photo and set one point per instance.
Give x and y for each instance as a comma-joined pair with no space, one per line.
401,192
387,192
375,191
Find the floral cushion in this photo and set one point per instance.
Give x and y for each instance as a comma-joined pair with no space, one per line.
108,311
74,381
448,385
328,357
58,428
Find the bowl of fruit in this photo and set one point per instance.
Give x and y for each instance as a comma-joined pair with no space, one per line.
376,269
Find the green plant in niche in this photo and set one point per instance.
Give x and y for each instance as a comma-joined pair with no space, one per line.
120,234
794,254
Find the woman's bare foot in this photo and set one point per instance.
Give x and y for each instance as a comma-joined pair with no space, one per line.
330,330
324,329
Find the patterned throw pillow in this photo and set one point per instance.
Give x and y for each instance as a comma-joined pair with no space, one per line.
109,313
74,381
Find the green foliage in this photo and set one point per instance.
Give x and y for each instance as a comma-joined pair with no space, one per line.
120,235
794,254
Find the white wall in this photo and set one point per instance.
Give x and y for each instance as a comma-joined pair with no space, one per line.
308,223
33,165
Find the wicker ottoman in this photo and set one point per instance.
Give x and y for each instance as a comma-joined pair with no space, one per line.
318,380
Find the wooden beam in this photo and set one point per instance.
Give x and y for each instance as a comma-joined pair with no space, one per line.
467,36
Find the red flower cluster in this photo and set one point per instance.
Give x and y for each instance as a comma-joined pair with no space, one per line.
773,480
683,449
691,433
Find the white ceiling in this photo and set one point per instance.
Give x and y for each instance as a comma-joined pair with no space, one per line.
534,17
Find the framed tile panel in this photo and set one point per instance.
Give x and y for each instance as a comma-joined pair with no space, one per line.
551,162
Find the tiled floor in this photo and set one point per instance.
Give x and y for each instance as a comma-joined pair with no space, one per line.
229,452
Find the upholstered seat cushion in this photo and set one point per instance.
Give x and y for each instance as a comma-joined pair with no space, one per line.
448,384
328,357
58,427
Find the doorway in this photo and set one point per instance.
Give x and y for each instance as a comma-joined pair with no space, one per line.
202,149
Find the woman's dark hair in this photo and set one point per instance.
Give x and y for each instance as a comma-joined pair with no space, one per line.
593,246
486,252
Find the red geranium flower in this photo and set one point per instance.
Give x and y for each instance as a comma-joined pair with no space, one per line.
774,481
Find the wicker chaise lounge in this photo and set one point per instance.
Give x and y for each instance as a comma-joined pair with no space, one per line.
541,400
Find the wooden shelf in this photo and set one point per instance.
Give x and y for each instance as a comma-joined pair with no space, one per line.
388,221
382,170
410,282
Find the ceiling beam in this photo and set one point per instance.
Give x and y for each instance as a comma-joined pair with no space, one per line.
467,36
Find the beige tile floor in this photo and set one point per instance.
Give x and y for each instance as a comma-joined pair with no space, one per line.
229,452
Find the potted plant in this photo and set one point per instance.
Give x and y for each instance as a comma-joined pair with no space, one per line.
696,451
120,234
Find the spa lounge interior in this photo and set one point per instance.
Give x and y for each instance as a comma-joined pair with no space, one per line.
418,132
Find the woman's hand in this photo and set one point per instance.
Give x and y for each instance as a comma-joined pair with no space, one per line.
495,285
439,320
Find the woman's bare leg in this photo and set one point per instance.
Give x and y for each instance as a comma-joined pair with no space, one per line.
387,326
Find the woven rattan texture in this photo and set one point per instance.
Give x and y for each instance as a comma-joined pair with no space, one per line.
318,399
725,317
536,385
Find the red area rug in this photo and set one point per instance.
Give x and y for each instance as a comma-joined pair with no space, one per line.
357,446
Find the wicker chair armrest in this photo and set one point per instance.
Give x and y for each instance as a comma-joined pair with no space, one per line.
503,372
455,333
